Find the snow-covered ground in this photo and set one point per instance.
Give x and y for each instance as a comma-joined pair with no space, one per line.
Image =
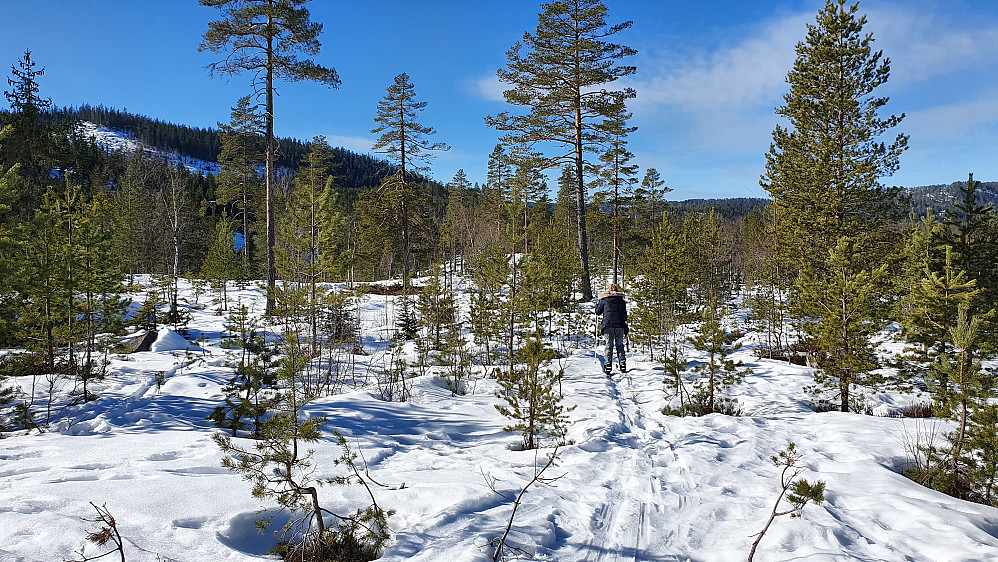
111,139
635,484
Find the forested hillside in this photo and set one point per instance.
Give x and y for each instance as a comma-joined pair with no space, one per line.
353,170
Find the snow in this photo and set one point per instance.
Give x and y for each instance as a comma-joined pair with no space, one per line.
635,484
168,340
114,140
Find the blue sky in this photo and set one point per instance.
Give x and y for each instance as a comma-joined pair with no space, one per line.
709,75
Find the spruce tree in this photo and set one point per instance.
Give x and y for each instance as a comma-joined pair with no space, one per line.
265,37
973,247
251,392
131,211
402,137
649,199
560,77
931,309
31,142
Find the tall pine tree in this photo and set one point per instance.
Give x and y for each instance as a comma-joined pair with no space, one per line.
403,138
560,77
824,170
265,37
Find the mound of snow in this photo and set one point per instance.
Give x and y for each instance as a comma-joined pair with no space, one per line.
168,340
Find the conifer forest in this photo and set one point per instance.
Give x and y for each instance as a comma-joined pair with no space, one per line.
225,344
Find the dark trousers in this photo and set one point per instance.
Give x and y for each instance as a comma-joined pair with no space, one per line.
614,339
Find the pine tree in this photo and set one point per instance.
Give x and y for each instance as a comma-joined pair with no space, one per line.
41,278
458,236
437,308
487,319
242,148
718,372
221,265
959,389
617,174
824,171
708,258
279,466
982,439
98,284
839,317
402,137
659,289
561,80
12,240
309,236
533,396
264,37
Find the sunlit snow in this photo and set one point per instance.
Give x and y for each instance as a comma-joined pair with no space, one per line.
635,484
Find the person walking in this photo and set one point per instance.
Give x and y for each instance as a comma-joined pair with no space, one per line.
612,307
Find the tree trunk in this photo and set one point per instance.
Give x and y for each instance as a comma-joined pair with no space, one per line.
271,266
580,204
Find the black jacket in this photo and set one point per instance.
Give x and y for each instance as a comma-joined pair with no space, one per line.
614,311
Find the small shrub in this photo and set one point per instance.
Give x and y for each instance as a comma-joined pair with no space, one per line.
917,410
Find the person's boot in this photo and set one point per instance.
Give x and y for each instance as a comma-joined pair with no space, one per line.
606,367
623,365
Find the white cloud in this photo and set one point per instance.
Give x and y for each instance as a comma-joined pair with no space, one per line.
954,121
733,77
924,43
361,145
488,88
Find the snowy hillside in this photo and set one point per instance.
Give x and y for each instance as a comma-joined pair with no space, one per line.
117,140
635,484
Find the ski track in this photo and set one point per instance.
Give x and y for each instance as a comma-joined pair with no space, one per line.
628,521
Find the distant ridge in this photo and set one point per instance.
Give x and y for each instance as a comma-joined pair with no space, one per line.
729,208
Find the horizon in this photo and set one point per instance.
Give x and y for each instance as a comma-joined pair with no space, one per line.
708,77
